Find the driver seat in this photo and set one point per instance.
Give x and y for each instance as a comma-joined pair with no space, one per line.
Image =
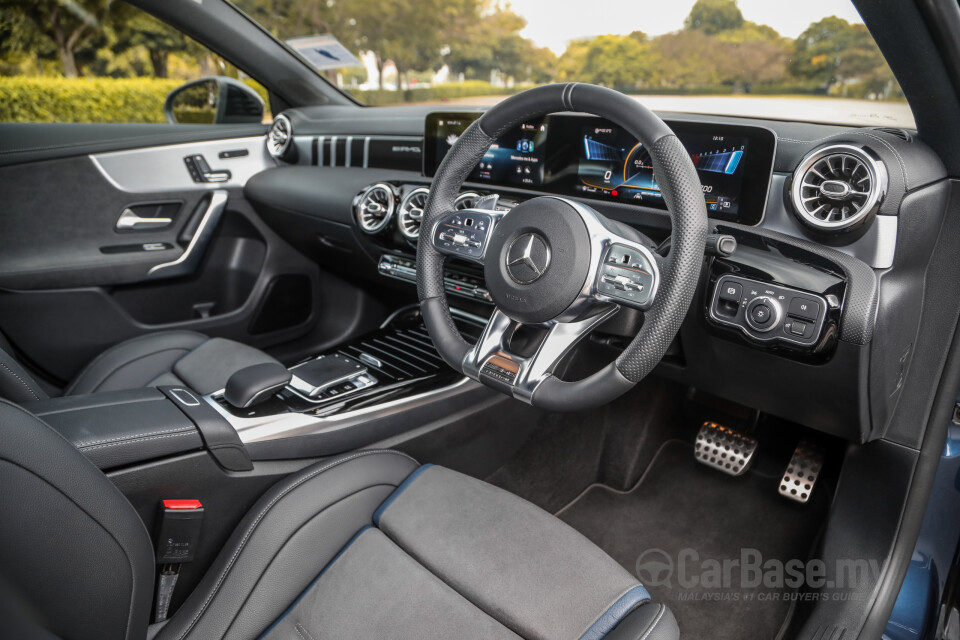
366,545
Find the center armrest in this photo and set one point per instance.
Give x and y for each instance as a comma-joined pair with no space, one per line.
119,428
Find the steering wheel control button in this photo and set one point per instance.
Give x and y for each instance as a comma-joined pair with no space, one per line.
804,309
625,275
763,313
463,233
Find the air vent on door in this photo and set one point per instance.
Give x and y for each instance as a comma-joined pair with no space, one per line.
466,200
280,137
838,188
410,212
374,207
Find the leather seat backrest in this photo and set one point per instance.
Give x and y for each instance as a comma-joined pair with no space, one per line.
72,548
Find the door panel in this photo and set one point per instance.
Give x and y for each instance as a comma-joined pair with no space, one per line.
72,284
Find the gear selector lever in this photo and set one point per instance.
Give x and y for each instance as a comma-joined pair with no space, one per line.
255,384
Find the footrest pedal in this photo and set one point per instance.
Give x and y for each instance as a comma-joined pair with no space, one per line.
724,449
802,472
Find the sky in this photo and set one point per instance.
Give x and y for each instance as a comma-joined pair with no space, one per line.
554,23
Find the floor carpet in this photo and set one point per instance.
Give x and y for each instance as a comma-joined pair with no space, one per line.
681,508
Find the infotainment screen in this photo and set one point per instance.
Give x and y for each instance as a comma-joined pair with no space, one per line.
516,158
589,157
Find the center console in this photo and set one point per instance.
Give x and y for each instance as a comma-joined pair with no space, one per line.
353,397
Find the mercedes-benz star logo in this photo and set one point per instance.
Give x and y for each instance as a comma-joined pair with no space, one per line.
528,258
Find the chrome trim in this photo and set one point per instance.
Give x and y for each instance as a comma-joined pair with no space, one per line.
403,214
391,207
601,241
463,197
333,151
561,338
818,328
366,152
278,140
348,151
190,259
876,171
161,169
776,312
287,425
129,220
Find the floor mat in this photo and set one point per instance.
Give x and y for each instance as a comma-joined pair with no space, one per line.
681,522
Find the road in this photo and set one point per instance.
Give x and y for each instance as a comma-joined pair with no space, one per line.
870,113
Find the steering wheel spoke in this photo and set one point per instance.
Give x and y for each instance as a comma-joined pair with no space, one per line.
493,362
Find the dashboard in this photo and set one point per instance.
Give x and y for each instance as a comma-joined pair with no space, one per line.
589,157
812,302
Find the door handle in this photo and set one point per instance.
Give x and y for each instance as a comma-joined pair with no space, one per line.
130,221
191,257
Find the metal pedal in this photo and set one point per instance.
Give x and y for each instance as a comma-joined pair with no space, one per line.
802,472
724,449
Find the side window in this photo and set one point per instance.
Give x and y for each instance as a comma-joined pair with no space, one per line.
97,61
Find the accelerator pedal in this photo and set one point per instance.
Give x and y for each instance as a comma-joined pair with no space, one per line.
802,472
724,449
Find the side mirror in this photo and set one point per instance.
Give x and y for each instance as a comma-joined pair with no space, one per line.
213,100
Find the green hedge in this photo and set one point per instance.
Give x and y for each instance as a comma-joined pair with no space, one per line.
83,100
27,99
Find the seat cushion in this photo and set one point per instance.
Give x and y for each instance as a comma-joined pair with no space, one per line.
167,358
370,546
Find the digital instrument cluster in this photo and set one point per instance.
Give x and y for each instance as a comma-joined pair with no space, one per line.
589,157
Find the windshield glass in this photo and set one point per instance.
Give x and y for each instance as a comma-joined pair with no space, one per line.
811,61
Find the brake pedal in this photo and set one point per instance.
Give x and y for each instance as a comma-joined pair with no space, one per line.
802,472
724,449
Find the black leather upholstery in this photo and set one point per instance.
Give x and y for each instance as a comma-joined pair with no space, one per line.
182,358
120,427
366,545
72,548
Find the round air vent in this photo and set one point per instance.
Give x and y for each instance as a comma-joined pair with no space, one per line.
837,188
374,207
466,200
280,137
410,212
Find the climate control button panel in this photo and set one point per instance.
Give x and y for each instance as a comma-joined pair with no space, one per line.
768,312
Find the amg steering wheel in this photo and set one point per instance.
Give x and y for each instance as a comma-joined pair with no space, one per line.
559,264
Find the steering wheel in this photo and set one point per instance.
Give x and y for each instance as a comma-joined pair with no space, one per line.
559,264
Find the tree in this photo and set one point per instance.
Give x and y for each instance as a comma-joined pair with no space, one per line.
481,37
714,16
620,62
832,52
68,26
136,28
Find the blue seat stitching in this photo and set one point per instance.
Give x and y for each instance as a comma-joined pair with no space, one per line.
396,493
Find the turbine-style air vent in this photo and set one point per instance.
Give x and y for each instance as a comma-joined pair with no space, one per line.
280,137
466,200
374,207
410,212
839,187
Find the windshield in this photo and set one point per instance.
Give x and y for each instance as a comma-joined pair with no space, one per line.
810,61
